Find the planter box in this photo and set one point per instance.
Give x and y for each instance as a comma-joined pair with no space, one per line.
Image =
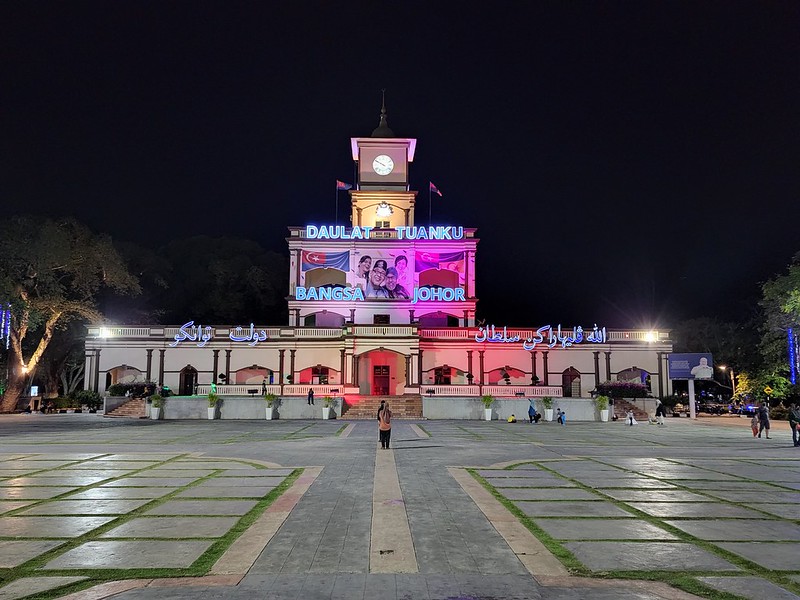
270,413
212,413
155,413
487,414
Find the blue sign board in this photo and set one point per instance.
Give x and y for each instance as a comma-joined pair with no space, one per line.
691,366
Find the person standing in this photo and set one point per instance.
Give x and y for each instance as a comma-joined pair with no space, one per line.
264,386
763,419
385,426
380,408
310,396
794,423
531,411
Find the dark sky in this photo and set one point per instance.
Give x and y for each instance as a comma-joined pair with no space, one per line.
626,163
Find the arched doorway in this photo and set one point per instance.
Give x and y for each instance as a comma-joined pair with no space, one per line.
188,381
571,383
635,375
381,373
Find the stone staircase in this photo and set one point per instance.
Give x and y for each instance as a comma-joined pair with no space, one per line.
135,408
621,407
366,407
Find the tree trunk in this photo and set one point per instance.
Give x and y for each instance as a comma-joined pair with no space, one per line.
15,389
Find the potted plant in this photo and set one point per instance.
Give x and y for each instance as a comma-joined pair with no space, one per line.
213,400
157,403
601,402
487,400
328,402
547,402
272,402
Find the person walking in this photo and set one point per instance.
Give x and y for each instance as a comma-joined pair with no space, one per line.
531,411
763,419
754,424
385,426
310,396
661,412
794,423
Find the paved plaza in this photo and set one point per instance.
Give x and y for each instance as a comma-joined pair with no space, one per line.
134,509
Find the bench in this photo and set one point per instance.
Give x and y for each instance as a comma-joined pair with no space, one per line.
519,394
252,391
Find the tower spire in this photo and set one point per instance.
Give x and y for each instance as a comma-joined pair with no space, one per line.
383,130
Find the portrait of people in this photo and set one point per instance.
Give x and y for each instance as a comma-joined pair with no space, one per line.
364,265
403,275
393,287
703,370
376,283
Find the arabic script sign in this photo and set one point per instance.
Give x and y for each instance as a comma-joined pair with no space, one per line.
202,335
544,335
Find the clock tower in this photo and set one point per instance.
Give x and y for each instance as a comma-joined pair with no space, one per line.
382,198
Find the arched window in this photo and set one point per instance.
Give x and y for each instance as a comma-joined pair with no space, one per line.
571,383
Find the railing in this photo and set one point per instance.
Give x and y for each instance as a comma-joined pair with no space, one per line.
314,332
452,333
105,332
450,390
238,389
319,390
499,391
381,331
527,391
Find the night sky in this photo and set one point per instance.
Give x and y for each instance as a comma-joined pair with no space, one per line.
626,163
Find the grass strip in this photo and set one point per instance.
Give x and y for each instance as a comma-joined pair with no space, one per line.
565,556
198,568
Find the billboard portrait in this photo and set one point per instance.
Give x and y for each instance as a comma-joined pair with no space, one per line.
691,366
384,274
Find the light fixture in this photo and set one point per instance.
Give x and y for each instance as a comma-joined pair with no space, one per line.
651,336
384,210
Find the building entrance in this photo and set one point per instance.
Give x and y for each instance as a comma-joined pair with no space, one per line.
380,380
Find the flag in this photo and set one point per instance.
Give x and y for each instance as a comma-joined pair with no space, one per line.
335,260
341,185
434,189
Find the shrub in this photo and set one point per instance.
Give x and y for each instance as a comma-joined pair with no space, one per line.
601,402
213,398
487,400
271,400
157,400
547,402
329,401
92,400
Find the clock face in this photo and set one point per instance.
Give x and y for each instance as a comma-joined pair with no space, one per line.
383,165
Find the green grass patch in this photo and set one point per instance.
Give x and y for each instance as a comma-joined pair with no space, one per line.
201,566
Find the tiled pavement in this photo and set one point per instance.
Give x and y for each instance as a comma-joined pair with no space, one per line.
85,499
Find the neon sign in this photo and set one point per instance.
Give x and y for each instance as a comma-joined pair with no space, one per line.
553,336
352,294
202,335
323,293
340,232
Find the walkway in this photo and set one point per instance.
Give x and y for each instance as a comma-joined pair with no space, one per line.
703,507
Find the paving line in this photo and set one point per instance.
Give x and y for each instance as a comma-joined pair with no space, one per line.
347,430
247,548
418,430
391,547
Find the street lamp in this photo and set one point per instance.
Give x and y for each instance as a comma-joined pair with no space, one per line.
733,380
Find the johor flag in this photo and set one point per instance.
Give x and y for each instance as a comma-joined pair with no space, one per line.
434,189
434,260
329,260
341,185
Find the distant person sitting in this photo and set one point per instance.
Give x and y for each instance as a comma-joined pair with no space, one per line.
512,419
702,371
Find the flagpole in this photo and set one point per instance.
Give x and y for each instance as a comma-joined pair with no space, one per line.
429,204
336,202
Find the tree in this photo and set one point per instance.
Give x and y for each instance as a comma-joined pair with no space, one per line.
51,272
780,304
